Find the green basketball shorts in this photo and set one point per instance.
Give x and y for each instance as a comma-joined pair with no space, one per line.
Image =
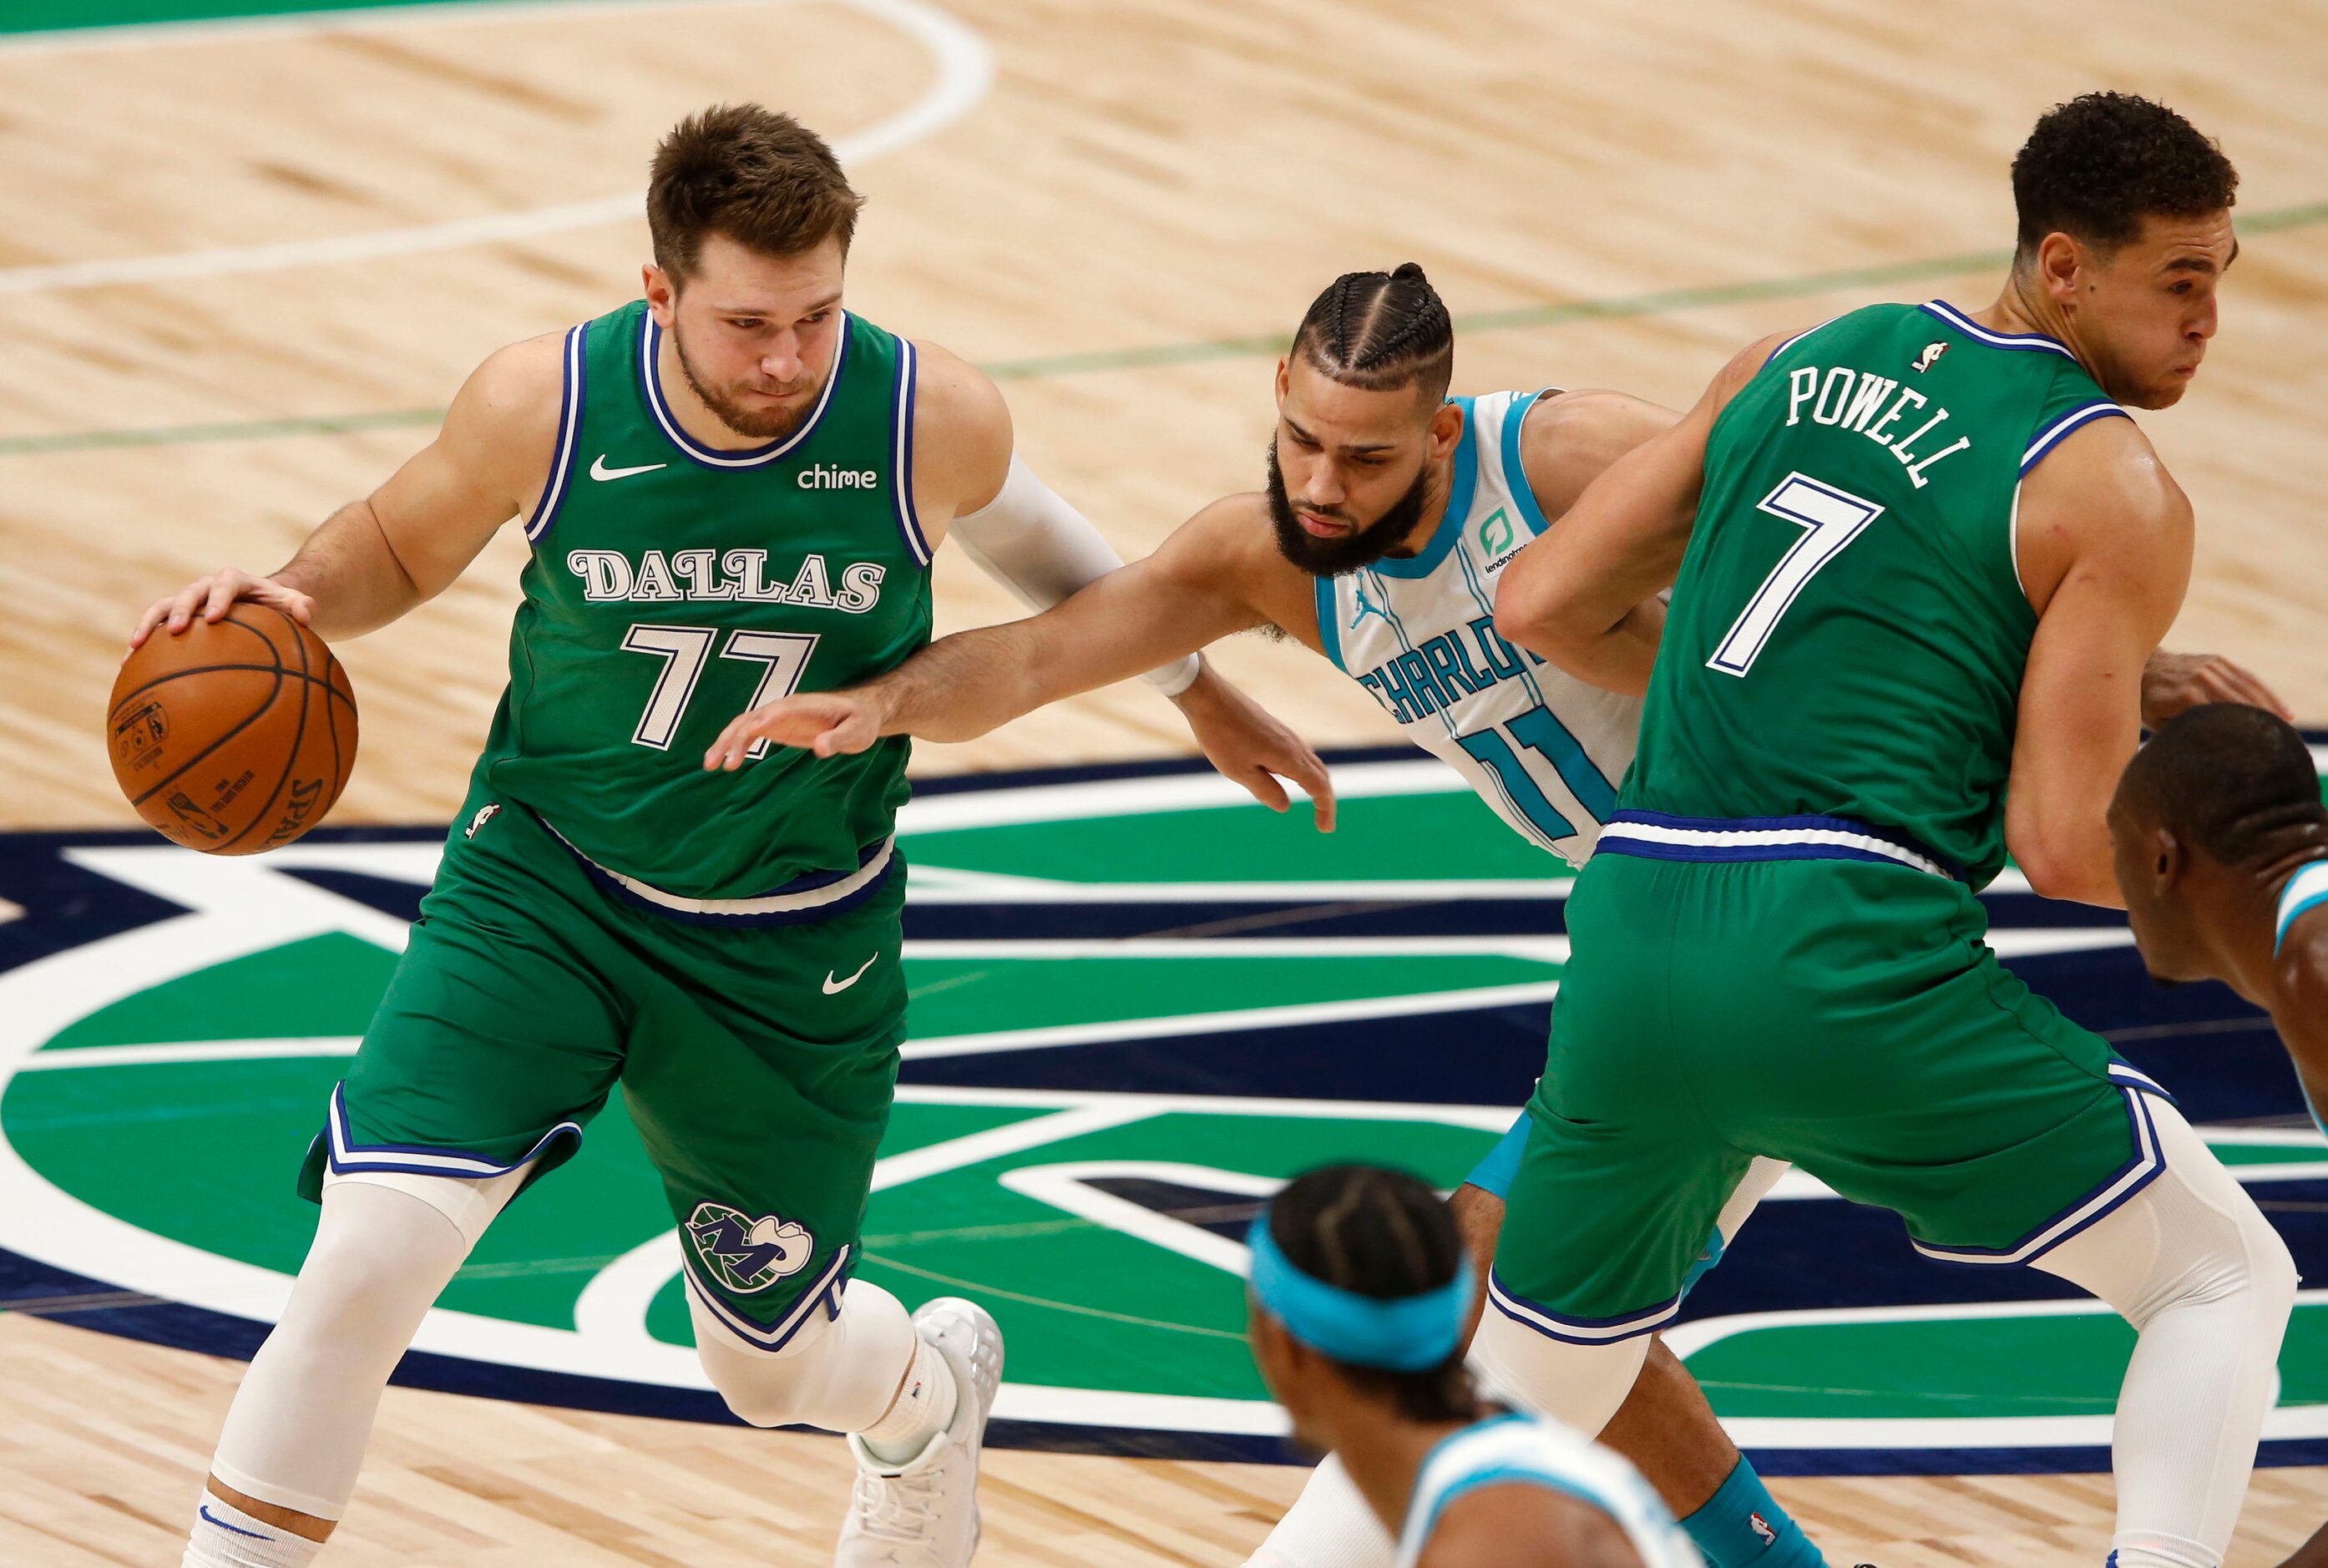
1841,1013
757,1060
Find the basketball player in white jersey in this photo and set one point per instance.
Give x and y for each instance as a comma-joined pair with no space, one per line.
1360,1303
1389,515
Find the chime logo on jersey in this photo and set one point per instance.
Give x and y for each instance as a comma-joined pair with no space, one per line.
747,1254
1140,1005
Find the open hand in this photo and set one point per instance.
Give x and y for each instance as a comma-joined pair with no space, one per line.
2172,682
828,723
211,596
1247,744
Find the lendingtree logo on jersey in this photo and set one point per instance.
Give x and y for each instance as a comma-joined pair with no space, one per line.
747,1254
1140,1005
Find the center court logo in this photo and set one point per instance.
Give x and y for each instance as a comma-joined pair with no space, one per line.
1140,1004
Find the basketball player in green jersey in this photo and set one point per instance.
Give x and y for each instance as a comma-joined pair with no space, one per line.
1919,559
733,489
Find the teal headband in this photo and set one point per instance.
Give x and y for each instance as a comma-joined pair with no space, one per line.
1404,1334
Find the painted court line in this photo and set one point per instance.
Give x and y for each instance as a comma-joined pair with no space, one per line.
1205,351
965,71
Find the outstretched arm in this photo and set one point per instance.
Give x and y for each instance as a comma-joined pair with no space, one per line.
1584,595
2105,555
1185,595
970,484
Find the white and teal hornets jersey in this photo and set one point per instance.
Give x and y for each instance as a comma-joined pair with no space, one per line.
1542,747
2304,890
1519,1449
1523,1451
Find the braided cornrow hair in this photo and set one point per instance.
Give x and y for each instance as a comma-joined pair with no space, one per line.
1380,330
1384,1233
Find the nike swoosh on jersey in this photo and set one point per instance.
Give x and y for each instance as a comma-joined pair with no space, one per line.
835,987
598,470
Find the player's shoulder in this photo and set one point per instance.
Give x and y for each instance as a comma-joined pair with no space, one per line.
1245,513
529,367
2300,971
963,437
1478,1528
511,403
1569,438
2107,472
954,400
1225,537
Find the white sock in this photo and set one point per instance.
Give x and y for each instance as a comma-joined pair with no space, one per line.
925,1406
1330,1525
224,1536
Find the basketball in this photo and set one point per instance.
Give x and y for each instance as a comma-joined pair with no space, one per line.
234,736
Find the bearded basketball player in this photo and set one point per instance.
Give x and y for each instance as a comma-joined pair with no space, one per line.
1388,515
732,489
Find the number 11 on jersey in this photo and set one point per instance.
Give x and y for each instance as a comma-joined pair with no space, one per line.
1832,519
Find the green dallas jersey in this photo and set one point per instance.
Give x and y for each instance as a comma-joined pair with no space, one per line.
1847,634
673,586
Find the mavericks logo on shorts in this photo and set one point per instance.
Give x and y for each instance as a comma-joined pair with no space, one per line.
746,1254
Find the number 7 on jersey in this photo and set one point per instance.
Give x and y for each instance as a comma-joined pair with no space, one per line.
1831,518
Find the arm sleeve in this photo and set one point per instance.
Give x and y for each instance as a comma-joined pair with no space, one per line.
1043,551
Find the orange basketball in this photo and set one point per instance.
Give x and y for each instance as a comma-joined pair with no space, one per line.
234,736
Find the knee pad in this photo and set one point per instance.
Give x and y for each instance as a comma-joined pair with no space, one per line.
838,1373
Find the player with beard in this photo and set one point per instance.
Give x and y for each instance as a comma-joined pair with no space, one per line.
1388,515
732,488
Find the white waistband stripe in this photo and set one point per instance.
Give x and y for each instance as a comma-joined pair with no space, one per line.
1746,838
816,897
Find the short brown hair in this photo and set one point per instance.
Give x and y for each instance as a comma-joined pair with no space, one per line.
2096,166
761,178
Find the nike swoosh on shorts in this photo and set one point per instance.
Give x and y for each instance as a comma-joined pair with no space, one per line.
835,987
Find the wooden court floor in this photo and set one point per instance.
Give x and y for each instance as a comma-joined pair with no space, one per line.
240,268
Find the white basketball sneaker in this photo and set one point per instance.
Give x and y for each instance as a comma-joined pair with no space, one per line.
923,1513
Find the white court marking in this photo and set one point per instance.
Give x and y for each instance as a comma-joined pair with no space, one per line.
236,907
965,74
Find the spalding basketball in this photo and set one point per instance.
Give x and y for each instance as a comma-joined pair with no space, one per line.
234,736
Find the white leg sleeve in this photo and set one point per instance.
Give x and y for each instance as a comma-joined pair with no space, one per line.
383,1253
1582,1384
840,1373
1329,1526
1585,1384
1043,551
2208,1284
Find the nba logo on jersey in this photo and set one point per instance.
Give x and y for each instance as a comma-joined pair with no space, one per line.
1930,356
747,1254
1762,1528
